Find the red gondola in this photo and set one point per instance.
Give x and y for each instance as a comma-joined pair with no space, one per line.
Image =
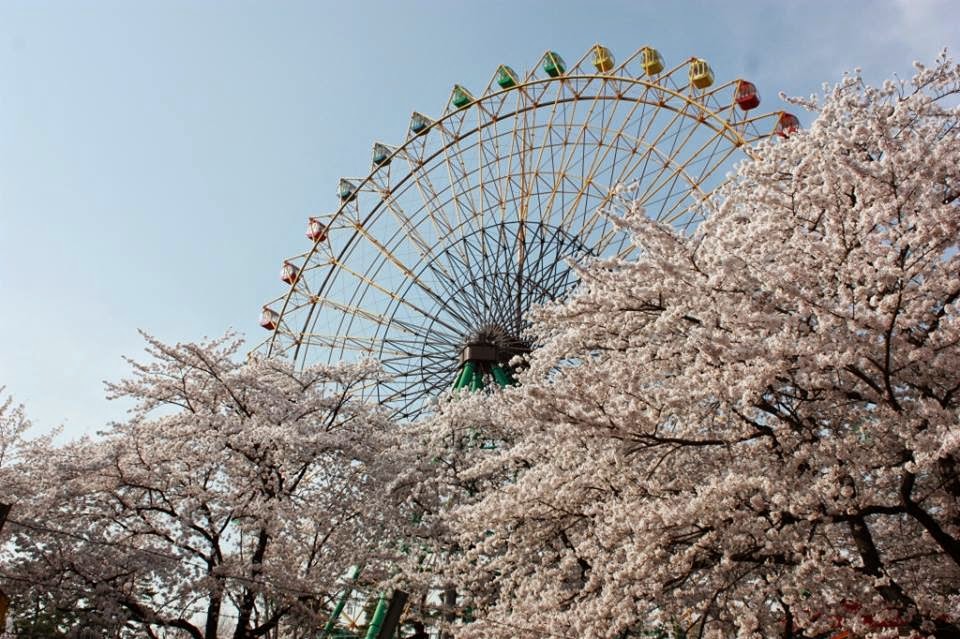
289,273
269,318
787,125
746,95
316,230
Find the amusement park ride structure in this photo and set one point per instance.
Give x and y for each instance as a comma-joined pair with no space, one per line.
431,261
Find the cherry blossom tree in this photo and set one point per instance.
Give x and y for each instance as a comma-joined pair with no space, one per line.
751,432
229,504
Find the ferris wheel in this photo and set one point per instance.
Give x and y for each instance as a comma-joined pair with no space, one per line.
431,261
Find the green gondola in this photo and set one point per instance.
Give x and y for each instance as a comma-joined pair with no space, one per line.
461,97
347,190
381,154
553,64
507,77
419,123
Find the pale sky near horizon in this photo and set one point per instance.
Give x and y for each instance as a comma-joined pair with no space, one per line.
158,160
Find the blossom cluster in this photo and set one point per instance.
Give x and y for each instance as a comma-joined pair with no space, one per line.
751,431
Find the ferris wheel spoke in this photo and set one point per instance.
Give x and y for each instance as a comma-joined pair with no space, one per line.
492,163
492,190
402,371
665,179
580,187
408,400
438,357
409,229
458,175
491,195
474,287
676,212
516,174
640,165
609,140
478,218
509,167
429,197
378,321
523,149
618,141
549,283
712,161
461,271
572,150
351,343
406,271
402,300
440,340
544,132
636,166
502,257
661,169
671,185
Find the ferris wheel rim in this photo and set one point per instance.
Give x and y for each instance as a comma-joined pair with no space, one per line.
708,116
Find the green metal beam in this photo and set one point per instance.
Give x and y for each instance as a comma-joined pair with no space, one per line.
477,382
338,609
466,374
501,376
378,616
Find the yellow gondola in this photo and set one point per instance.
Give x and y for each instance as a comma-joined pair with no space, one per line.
651,61
701,75
602,59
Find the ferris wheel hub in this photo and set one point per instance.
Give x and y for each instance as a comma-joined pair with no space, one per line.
479,352
492,344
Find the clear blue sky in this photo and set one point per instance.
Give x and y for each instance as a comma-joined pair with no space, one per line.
158,159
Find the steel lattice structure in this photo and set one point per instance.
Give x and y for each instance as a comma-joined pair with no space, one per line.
455,233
